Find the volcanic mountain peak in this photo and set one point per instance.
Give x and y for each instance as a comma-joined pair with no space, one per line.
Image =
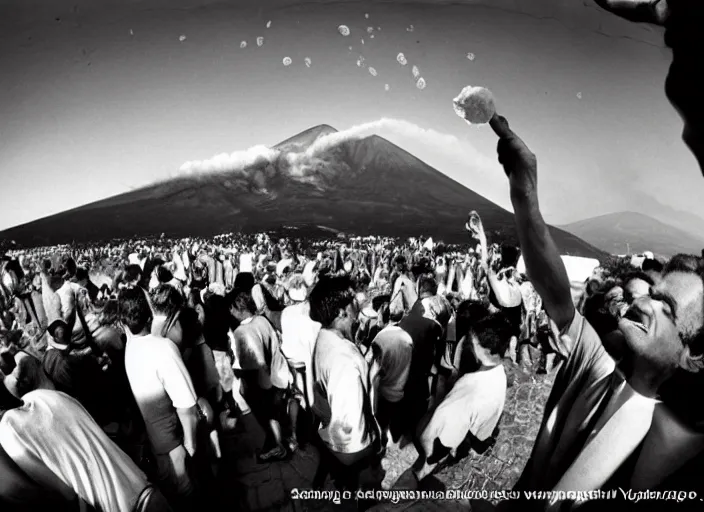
361,185
306,138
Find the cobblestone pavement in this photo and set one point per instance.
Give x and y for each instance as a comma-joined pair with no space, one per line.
253,487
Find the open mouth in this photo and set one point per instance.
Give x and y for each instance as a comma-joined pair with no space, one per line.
634,317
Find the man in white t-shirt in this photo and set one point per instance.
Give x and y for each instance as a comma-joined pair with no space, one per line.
56,442
164,394
476,402
343,392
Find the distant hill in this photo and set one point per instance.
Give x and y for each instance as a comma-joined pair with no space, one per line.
359,186
616,232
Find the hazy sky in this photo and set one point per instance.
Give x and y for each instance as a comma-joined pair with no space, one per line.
97,100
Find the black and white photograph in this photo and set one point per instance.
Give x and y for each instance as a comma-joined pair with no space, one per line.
354,255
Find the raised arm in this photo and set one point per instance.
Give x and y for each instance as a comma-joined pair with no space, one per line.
543,262
639,11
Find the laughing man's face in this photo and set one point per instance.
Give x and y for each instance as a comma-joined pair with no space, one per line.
655,325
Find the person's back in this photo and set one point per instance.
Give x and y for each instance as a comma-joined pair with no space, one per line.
474,405
298,335
18,492
393,349
257,347
53,439
341,378
425,334
160,384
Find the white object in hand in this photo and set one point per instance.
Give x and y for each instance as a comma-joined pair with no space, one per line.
475,105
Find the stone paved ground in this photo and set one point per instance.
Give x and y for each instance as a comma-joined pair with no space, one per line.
253,487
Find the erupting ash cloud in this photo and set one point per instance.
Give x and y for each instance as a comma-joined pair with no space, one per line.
255,167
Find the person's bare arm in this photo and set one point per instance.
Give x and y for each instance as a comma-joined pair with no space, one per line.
543,262
189,423
639,11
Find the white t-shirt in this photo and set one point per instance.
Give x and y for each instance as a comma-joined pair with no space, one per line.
257,348
160,384
341,379
474,405
298,335
54,440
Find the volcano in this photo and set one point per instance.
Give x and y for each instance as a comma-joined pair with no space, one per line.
364,186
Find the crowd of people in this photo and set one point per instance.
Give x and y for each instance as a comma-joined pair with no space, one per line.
124,364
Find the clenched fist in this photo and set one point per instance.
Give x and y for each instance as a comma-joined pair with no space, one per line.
518,161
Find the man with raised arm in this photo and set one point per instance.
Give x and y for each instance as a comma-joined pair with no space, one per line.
597,416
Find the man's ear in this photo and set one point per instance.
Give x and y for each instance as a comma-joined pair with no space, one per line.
690,362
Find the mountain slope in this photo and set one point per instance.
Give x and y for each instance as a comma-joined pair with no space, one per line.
359,186
617,232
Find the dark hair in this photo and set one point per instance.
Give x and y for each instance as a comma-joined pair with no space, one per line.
494,333
166,299
194,299
81,273
468,313
244,281
380,300
190,326
70,266
29,374
693,265
596,311
651,265
400,261
509,255
427,284
134,309
110,313
241,300
636,274
328,297
163,274
133,273
422,267
217,322
684,263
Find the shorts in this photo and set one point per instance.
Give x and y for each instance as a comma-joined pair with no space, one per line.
268,404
